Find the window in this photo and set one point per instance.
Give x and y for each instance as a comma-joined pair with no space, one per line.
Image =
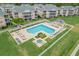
52,12
70,12
8,10
16,13
64,12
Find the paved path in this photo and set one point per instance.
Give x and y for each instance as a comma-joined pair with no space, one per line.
75,50
55,41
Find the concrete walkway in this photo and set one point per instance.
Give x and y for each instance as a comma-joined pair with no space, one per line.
75,50
56,41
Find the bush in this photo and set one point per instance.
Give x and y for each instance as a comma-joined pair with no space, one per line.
18,21
41,35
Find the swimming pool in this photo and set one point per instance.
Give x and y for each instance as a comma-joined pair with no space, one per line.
41,27
39,41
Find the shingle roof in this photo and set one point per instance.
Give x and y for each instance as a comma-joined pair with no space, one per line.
77,7
67,7
24,4
23,8
47,7
51,8
7,5
39,7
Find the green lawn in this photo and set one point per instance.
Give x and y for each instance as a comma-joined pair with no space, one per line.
69,42
7,46
68,19
64,47
22,21
19,21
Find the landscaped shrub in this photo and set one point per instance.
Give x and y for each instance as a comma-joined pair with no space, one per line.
41,35
18,21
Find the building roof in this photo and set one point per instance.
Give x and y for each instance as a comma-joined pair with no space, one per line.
77,7
23,8
7,5
39,7
25,4
67,7
47,7
51,8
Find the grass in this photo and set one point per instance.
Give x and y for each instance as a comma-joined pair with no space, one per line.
7,47
19,21
69,42
64,47
68,19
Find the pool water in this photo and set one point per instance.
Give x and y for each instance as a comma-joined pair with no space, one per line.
39,41
41,27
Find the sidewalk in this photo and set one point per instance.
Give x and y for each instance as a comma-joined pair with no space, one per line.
75,50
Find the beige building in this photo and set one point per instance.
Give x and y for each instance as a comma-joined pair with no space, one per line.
2,22
7,8
67,11
46,11
77,10
2,19
29,12
25,12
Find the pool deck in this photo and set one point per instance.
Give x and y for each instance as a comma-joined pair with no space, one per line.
23,35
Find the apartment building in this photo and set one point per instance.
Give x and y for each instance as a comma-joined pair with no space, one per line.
38,9
2,19
29,12
67,11
7,8
51,11
25,12
77,10
46,11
